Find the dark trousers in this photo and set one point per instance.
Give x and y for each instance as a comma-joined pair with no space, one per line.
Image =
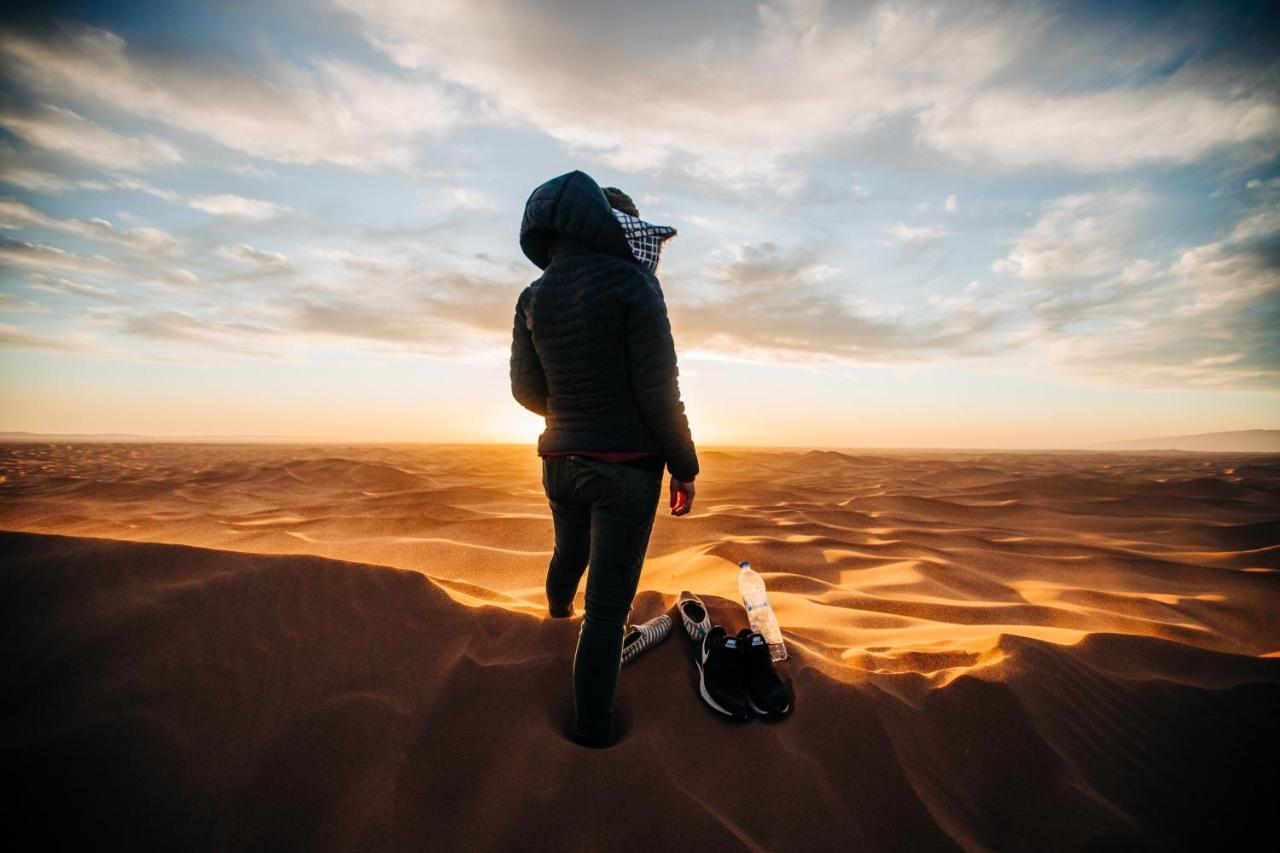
603,514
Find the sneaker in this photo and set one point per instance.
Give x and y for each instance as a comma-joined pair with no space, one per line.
694,615
643,636
766,694
721,678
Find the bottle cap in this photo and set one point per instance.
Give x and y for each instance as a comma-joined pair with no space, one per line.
744,565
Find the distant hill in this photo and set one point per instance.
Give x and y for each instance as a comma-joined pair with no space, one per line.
1242,441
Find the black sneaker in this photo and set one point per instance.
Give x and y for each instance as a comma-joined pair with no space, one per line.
721,679
766,694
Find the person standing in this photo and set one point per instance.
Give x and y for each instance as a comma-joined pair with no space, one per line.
592,352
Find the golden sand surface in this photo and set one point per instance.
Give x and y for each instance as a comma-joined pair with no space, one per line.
988,649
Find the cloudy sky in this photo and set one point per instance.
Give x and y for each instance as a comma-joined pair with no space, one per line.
1016,225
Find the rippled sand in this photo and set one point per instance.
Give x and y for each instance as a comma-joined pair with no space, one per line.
988,649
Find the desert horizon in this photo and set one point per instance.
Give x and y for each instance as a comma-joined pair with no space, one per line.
1236,441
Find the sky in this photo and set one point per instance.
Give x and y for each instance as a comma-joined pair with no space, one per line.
1017,225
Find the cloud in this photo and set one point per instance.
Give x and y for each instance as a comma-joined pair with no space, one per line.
469,199
16,170
765,72
40,257
951,205
1256,224
132,183
769,82
65,132
765,93
813,192
766,267
236,207
219,204
264,260
901,232
1099,131
348,318
34,179
405,297
166,325
15,214
17,337
331,112
52,284
391,297
1211,320
252,171
11,303
180,277
1208,318
1078,236
177,326
786,306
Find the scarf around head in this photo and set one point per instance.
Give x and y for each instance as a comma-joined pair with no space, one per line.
645,238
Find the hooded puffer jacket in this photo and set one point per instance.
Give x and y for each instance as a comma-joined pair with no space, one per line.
591,346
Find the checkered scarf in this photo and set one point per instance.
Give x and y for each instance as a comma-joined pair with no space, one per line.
645,238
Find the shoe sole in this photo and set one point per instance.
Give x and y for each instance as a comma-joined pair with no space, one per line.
762,712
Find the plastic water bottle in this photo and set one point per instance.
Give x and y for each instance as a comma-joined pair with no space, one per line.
763,619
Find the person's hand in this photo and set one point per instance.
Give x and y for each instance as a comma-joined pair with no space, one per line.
681,497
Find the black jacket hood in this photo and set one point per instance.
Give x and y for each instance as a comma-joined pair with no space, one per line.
571,205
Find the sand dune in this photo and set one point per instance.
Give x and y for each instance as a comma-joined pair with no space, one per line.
990,650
